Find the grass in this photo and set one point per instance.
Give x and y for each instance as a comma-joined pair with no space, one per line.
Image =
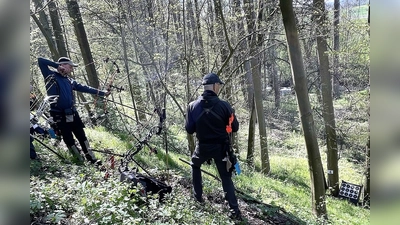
68,193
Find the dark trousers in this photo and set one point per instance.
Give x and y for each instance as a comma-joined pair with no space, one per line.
204,152
69,129
32,149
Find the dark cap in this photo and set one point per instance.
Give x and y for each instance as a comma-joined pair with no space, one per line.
66,60
211,78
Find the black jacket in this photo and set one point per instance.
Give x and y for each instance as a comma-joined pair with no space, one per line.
210,128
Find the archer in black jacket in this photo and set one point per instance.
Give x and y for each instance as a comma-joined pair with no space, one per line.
208,117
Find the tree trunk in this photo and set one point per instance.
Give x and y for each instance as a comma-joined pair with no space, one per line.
175,10
135,88
307,121
256,75
190,138
336,72
225,49
271,65
131,89
74,13
190,23
250,138
223,41
186,57
195,26
200,48
367,179
327,101
57,30
43,24
252,110
246,83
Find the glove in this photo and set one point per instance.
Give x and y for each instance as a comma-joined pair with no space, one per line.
233,160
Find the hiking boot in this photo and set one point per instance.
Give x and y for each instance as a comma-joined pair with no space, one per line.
199,200
235,214
75,153
89,153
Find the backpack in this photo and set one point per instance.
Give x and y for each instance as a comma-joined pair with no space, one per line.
148,184
231,155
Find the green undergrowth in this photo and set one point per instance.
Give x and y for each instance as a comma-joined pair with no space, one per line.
62,193
79,194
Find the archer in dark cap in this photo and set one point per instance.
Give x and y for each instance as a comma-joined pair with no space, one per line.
208,117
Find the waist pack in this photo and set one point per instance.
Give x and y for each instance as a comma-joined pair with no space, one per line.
148,184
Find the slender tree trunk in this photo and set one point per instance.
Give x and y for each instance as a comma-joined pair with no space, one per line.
190,137
256,77
307,121
271,65
225,48
221,35
260,44
135,88
246,81
57,30
79,28
43,23
132,91
327,100
195,25
191,22
250,140
252,110
336,46
275,81
186,57
50,43
176,20
200,48
367,178
265,165
151,48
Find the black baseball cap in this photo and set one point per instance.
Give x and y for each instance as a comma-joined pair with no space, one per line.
211,78
66,60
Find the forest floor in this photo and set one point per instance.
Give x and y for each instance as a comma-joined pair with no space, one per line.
253,210
59,191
